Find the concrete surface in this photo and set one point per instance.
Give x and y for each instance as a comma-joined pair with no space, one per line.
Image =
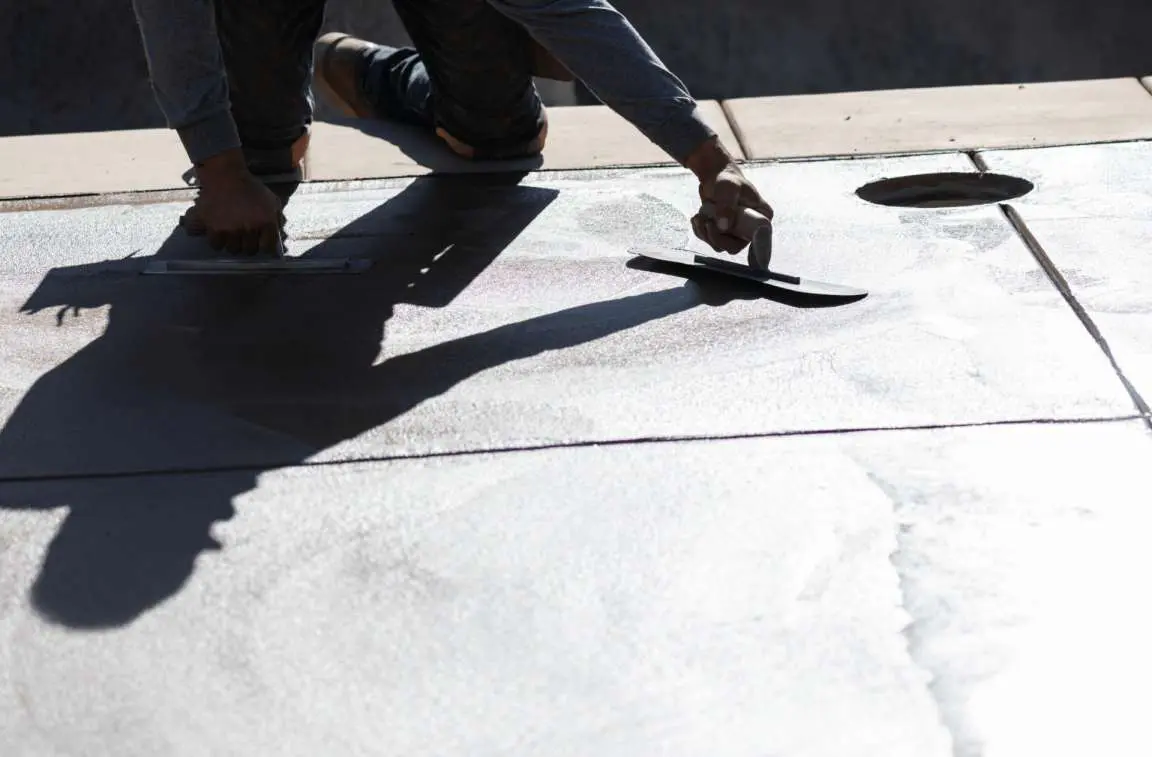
509,493
870,123
947,118
73,164
494,312
578,137
1092,214
152,159
931,593
81,68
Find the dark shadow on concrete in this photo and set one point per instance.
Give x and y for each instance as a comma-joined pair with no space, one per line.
225,373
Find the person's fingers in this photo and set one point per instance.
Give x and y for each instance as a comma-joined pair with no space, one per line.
249,241
234,242
707,230
726,243
750,197
764,209
698,227
725,201
192,225
269,242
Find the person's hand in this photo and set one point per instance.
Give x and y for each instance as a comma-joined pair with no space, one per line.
725,186
234,209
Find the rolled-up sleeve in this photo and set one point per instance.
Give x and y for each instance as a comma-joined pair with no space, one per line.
602,48
187,72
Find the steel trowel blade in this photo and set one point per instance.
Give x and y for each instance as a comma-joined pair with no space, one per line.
257,266
797,284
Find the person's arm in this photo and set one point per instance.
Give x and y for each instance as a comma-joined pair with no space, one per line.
186,66
602,49
599,46
187,72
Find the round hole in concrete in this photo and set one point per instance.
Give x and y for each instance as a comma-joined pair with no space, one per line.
944,190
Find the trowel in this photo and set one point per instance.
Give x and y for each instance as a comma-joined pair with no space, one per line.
756,228
256,266
281,263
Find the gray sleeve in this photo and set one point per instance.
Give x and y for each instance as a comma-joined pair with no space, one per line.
187,71
601,48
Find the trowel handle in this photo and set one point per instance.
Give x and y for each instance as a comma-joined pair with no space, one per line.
746,223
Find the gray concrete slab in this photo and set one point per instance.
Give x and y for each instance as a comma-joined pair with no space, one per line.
896,593
1092,214
503,314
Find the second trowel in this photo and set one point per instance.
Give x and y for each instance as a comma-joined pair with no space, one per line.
757,229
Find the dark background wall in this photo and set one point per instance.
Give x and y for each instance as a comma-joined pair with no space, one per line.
77,66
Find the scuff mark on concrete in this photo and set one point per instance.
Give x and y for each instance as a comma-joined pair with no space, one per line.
915,632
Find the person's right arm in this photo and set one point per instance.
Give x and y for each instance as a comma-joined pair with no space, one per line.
597,44
186,67
187,72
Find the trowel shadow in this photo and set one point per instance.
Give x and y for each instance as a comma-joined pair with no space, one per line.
149,433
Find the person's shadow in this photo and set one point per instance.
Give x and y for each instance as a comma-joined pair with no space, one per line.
198,385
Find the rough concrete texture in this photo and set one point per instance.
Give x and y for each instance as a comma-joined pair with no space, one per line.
82,69
1092,213
505,314
932,594
507,494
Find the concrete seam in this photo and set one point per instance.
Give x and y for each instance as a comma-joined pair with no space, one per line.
548,446
60,201
1052,271
1061,284
977,160
741,140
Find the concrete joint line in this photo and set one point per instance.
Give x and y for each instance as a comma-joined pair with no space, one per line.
572,445
1057,278
1061,284
737,132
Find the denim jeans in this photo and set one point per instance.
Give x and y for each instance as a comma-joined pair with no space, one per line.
469,71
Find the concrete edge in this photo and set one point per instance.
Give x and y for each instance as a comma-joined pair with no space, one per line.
737,132
1000,116
129,162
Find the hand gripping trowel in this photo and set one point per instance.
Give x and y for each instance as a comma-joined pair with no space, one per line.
273,175
265,265
757,229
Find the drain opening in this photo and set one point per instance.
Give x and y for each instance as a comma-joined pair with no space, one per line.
944,190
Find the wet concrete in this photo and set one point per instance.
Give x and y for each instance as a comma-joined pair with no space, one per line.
1092,215
487,497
